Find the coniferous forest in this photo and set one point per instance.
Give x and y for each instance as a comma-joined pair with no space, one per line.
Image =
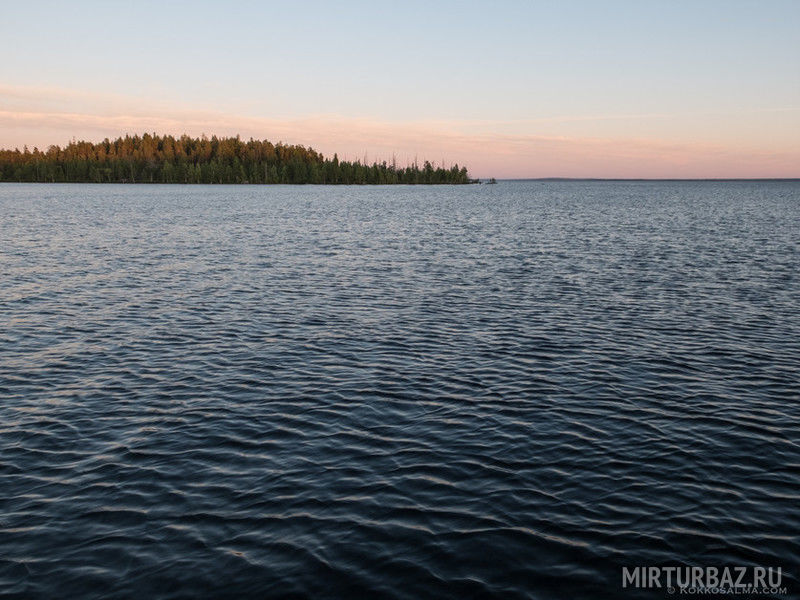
166,159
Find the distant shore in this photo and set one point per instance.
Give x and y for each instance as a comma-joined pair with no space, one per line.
226,160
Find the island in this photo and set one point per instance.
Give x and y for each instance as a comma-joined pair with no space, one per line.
152,158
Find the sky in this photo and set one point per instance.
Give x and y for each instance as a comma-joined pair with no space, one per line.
647,88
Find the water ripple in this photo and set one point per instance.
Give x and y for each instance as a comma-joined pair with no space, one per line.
504,391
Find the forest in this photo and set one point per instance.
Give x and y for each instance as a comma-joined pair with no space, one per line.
167,159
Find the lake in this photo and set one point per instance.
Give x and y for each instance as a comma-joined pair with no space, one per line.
506,391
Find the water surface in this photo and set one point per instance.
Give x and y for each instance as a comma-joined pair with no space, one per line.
405,392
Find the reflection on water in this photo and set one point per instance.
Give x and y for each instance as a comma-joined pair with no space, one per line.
508,390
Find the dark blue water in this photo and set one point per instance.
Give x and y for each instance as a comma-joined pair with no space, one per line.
401,392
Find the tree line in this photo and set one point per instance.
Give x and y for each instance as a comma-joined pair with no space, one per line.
167,159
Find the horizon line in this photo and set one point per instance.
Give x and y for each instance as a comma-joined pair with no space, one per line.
645,178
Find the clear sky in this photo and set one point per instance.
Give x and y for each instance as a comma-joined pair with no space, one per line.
511,89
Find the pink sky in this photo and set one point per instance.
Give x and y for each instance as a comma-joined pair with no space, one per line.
636,145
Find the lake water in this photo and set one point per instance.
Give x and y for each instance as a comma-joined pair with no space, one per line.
402,392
